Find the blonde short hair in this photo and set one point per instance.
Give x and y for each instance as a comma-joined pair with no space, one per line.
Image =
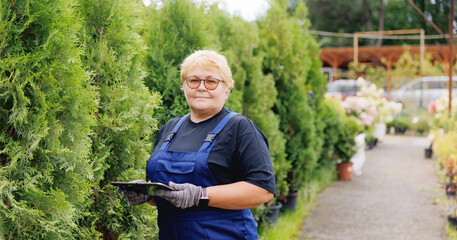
208,58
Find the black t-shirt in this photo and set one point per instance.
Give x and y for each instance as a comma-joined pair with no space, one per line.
239,154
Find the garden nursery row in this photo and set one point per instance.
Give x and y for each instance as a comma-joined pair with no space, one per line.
85,85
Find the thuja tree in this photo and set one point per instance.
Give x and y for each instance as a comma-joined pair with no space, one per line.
315,79
239,41
47,107
317,83
287,59
330,114
174,31
114,54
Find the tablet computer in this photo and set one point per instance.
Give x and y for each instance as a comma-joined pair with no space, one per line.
145,187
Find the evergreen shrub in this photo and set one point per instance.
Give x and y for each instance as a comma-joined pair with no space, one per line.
47,106
114,55
286,48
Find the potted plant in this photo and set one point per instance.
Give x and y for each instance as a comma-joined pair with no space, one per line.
446,150
401,125
370,141
429,152
289,201
272,214
345,147
268,213
451,189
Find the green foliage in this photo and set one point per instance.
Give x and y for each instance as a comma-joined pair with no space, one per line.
174,31
316,82
286,50
79,109
407,68
114,54
369,139
345,147
339,134
330,115
351,16
290,222
346,16
47,109
238,39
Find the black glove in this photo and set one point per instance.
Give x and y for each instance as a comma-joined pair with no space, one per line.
186,194
134,197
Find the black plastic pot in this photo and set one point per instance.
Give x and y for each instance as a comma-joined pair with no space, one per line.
273,213
428,152
290,202
400,130
452,221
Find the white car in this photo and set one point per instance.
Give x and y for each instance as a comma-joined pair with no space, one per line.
421,91
345,88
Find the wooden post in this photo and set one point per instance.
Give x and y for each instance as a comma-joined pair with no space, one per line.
422,50
451,60
391,32
389,72
356,49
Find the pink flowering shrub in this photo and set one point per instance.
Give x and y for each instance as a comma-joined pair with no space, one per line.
370,106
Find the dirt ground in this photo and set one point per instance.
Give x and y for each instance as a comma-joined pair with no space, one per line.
396,197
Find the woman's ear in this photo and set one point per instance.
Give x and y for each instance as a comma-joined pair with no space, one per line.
227,93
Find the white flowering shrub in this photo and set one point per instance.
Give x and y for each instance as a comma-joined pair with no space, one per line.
371,106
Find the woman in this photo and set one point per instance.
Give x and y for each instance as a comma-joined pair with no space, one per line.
216,159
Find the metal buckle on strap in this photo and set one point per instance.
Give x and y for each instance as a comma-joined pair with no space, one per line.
169,137
210,137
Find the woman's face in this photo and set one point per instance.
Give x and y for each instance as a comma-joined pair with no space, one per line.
201,100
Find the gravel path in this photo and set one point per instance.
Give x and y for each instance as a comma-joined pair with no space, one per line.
394,198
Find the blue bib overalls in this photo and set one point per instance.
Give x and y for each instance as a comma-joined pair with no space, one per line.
191,167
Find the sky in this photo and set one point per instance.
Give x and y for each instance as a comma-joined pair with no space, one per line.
247,9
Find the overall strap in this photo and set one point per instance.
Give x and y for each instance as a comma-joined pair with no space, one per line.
211,137
171,135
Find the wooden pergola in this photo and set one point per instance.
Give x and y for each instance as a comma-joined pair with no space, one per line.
340,57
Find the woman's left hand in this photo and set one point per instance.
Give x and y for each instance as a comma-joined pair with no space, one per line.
186,194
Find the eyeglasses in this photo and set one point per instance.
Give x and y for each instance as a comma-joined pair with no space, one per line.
210,83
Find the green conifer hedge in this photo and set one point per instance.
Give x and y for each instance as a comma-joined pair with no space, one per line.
114,55
47,106
287,59
174,31
79,104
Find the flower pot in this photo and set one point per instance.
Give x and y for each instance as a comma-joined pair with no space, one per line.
451,190
400,130
344,171
452,221
359,157
379,131
428,152
290,201
272,215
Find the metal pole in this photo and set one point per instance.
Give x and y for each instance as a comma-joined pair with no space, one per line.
426,18
451,60
450,40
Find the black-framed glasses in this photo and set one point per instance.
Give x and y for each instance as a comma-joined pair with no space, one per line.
210,83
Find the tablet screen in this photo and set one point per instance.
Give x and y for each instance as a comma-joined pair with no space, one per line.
140,187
